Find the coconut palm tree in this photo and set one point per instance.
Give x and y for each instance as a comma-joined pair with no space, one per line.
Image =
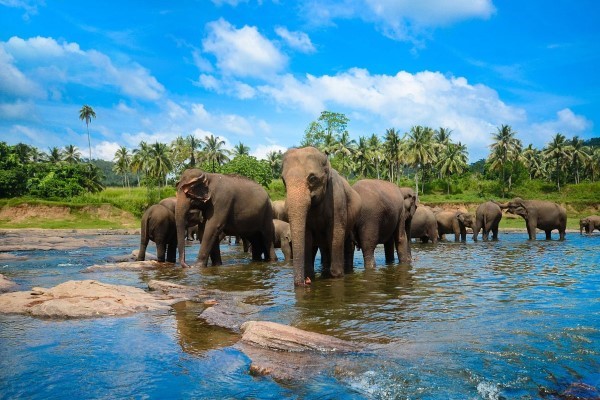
122,165
213,150
420,150
391,149
160,162
453,160
140,161
71,154
580,154
241,149
558,151
593,165
505,147
361,157
345,148
275,158
441,140
87,113
375,154
533,162
54,155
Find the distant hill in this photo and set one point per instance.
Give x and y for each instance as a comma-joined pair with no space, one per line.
109,177
593,142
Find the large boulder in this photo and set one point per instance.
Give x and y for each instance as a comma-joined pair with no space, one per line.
6,285
84,299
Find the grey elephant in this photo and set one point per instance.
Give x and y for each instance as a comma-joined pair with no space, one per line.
280,210
283,238
230,205
539,214
322,210
424,225
382,219
487,217
410,207
589,224
158,225
455,222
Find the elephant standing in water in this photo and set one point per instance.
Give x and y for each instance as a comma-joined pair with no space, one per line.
230,205
454,222
424,225
382,219
280,210
322,210
158,225
539,214
283,238
589,224
487,217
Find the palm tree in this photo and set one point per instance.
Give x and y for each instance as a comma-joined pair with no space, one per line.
420,150
580,154
140,160
593,164
391,148
241,149
453,161
193,144
275,158
122,165
54,155
213,150
533,162
71,154
361,157
160,162
558,150
375,153
87,113
505,147
345,148
441,139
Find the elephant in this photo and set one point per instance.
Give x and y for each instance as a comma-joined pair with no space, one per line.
589,224
230,205
540,214
410,207
322,210
283,238
487,217
158,225
424,225
280,210
455,222
381,220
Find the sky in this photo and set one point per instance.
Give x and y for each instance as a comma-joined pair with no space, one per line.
258,72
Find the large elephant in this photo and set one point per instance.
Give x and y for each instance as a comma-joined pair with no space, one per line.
158,225
280,210
455,222
231,205
381,220
539,214
322,210
410,207
283,238
589,224
424,225
487,217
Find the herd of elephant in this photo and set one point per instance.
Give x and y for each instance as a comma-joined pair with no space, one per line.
322,212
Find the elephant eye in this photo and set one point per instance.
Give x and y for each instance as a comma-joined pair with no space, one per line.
312,179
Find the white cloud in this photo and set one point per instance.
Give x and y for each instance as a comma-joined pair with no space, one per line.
105,150
567,122
30,7
17,110
242,52
296,40
262,150
44,62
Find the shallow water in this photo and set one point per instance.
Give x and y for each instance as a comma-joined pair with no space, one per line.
507,319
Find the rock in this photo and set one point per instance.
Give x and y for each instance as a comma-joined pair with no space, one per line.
84,299
273,336
11,257
174,289
129,266
51,239
131,257
6,285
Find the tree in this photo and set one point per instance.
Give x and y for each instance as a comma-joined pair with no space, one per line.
344,147
391,149
193,144
213,151
140,160
375,152
248,166
241,149
453,161
420,150
558,151
533,162
505,147
54,155
87,113
275,158
160,162
580,154
122,165
71,154
323,132
361,157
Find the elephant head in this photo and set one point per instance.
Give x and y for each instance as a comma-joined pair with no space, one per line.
410,201
192,196
584,223
466,219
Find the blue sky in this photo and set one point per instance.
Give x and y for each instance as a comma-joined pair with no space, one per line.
260,71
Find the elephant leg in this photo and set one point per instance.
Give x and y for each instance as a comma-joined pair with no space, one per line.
561,234
389,249
531,229
457,236
142,252
215,255
368,251
424,239
286,249
209,240
160,251
171,251
309,259
348,255
548,234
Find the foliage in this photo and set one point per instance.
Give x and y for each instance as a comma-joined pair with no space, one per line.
250,167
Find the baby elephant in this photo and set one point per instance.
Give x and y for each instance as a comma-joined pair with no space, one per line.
589,224
455,222
283,238
158,225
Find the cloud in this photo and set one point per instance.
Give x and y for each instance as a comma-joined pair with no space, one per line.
296,40
30,7
262,150
45,62
567,122
17,110
399,19
242,52
105,150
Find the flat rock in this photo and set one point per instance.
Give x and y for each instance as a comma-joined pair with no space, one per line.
11,257
60,239
131,257
6,285
84,299
129,266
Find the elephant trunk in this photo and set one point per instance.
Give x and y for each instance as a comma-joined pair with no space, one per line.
298,200
181,210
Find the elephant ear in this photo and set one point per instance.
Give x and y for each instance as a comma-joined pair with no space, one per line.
196,188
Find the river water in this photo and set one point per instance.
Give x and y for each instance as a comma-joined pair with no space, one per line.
492,320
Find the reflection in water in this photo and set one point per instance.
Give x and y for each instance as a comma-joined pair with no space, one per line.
512,319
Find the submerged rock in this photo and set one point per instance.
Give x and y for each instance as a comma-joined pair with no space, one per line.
6,285
84,299
128,266
11,257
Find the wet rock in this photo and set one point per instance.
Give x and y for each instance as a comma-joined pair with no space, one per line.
131,257
174,289
229,314
129,266
288,353
51,239
84,299
11,257
6,285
